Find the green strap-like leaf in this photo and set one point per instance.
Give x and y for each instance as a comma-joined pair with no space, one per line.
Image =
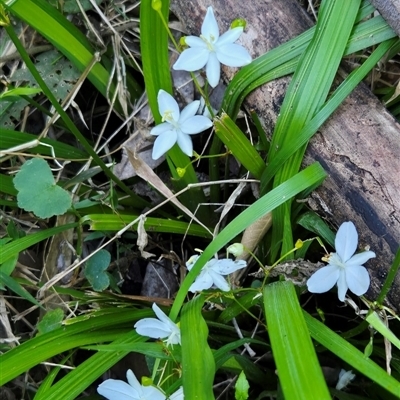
97,328
198,365
21,244
305,96
241,147
91,369
304,179
156,71
298,368
352,356
111,222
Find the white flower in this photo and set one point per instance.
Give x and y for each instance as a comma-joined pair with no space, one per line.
178,395
345,377
344,268
177,126
113,389
160,328
210,50
212,272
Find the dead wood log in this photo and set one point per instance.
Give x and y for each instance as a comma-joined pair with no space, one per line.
358,146
390,10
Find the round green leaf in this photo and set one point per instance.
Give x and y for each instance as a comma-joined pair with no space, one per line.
95,270
38,192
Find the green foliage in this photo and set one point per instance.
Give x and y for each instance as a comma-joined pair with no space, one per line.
210,343
305,96
198,365
38,192
298,368
51,321
242,387
58,73
95,270
10,283
71,6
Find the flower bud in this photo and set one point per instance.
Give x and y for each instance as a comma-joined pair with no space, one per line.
299,244
181,172
146,381
235,249
182,42
238,23
156,4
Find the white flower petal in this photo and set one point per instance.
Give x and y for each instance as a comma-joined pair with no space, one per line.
360,259
161,128
335,260
192,59
178,395
230,36
226,266
219,281
163,143
152,328
210,29
233,55
167,104
195,41
189,111
161,315
192,260
323,280
345,377
185,143
133,381
113,389
213,70
346,240
202,282
196,124
342,285
152,393
357,279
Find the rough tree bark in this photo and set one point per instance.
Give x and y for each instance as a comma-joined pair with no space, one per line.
358,146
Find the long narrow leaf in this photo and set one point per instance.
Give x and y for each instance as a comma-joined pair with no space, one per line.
310,176
198,365
86,373
156,71
21,244
326,111
111,222
235,140
352,356
305,96
298,368
98,329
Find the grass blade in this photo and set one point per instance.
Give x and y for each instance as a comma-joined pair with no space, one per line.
305,96
310,176
198,365
298,368
352,356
